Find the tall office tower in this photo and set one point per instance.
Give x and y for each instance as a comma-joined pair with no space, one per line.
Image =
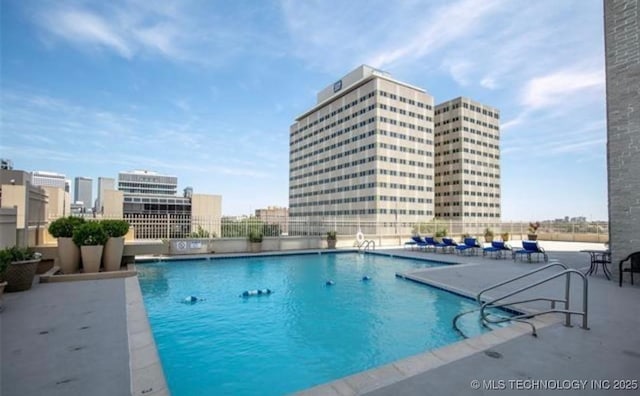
48,179
83,191
104,184
364,151
467,161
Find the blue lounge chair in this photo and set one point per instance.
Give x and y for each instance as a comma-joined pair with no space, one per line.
429,244
497,249
529,248
447,245
470,245
415,240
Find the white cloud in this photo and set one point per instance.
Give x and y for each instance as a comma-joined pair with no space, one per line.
83,27
561,86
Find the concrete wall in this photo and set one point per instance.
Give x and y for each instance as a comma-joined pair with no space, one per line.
622,52
59,204
8,219
113,203
206,210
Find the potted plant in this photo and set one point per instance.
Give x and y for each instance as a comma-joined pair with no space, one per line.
68,252
332,239
90,237
255,241
17,268
488,235
533,231
505,236
113,249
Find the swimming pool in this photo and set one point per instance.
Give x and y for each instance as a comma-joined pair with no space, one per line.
304,334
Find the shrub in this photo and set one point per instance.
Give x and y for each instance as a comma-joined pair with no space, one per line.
488,232
115,228
441,233
9,255
332,235
255,236
64,226
533,227
90,234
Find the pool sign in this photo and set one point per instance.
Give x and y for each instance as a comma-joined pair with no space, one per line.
337,86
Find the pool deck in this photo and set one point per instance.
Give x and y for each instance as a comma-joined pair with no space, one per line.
89,337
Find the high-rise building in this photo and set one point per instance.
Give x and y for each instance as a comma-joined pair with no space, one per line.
83,191
275,215
48,179
104,184
467,161
364,151
622,56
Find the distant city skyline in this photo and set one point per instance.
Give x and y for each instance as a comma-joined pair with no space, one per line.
207,92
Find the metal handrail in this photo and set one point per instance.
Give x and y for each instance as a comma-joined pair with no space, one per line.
520,318
365,245
566,273
556,264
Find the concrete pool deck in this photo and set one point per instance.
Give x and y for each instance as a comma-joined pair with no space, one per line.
79,338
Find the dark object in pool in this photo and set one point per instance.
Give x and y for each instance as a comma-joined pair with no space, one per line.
330,283
257,292
366,278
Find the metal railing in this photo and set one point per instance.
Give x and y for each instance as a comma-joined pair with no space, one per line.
486,319
168,226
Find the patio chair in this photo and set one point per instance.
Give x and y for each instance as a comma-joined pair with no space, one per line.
429,243
415,241
448,244
470,244
634,261
529,248
497,249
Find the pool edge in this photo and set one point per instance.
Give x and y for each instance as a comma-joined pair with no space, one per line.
147,376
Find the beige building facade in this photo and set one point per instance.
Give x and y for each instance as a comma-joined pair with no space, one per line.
365,151
467,161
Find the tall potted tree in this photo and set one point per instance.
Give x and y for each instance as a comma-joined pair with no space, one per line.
90,237
68,252
113,249
17,268
255,241
532,234
488,235
332,239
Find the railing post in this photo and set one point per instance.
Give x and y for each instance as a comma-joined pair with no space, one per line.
585,303
567,296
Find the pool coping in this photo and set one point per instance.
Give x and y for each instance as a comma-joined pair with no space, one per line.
147,376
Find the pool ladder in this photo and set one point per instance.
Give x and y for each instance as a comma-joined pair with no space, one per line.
367,244
487,318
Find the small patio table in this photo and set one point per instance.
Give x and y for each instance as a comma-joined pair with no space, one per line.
599,257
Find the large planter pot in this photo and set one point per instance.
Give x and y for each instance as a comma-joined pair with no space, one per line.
69,255
112,254
505,236
255,247
19,275
91,258
2,286
331,243
532,237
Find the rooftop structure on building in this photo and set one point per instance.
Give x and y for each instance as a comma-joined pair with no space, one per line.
6,164
147,183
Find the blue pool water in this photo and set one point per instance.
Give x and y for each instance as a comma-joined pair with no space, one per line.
304,334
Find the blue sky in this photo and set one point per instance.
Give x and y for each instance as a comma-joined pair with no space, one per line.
207,90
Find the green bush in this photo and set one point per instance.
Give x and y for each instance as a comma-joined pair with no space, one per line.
90,234
64,226
9,255
332,235
255,236
441,233
115,228
488,232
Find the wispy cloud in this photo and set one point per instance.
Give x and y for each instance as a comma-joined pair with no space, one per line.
560,86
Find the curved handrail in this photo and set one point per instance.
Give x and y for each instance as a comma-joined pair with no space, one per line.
567,273
559,264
